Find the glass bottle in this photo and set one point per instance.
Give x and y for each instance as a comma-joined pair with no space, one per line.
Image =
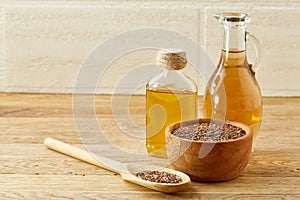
232,92
171,96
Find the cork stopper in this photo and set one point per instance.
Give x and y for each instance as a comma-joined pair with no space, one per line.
174,59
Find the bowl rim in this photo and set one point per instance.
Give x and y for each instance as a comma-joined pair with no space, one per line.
246,128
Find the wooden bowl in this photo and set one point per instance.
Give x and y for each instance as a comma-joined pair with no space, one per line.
217,161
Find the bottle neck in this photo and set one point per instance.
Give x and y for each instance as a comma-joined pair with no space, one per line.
234,39
168,71
234,46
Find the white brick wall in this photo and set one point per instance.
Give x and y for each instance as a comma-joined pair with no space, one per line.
44,43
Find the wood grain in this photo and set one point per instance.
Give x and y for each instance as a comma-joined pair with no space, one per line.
135,195
28,170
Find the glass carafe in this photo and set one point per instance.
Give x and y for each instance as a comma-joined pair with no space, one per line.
232,92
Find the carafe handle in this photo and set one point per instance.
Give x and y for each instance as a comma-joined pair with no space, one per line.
257,46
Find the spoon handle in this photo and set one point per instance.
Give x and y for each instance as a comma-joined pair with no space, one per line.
81,154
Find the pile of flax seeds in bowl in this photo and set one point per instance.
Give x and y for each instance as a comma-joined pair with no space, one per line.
210,132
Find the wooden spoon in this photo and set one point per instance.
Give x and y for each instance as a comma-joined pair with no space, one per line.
127,171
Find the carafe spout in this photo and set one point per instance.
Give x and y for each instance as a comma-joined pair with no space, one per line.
238,20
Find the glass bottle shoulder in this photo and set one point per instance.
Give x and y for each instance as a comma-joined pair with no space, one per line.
173,80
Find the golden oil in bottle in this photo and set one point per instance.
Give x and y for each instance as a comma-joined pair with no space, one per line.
163,108
233,93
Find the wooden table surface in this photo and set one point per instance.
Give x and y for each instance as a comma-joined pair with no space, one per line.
29,170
